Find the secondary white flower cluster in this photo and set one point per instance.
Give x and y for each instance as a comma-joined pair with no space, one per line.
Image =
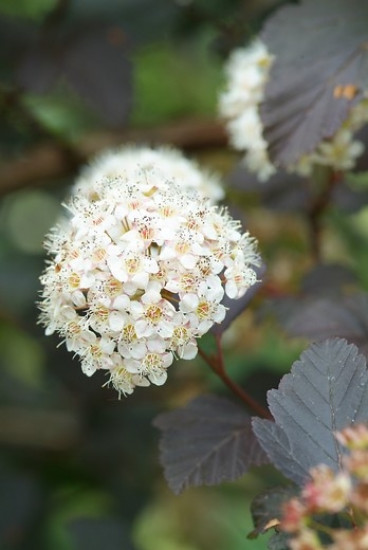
247,73
139,270
172,164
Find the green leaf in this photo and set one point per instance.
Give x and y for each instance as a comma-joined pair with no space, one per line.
34,9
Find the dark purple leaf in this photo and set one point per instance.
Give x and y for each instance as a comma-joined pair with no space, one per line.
93,61
15,36
98,69
146,21
282,192
207,442
268,506
327,278
328,50
319,317
348,199
326,391
236,307
285,192
20,502
279,541
362,161
40,67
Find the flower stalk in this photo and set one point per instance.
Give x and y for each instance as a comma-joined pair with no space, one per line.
217,364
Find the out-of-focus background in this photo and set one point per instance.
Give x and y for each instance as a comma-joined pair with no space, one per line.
79,468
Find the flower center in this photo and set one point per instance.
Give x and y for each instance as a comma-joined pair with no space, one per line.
154,313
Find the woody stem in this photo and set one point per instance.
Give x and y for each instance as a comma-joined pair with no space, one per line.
217,364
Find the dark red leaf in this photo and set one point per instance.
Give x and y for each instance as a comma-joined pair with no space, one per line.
207,442
329,52
92,60
326,390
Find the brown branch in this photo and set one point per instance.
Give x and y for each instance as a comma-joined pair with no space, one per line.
217,364
45,429
41,164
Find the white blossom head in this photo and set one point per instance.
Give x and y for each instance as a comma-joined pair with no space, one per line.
172,164
138,272
247,72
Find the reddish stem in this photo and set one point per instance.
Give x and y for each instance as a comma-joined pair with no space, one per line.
217,364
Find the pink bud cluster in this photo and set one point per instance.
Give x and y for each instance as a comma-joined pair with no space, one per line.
329,494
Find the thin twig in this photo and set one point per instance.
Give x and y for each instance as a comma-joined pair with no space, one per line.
217,364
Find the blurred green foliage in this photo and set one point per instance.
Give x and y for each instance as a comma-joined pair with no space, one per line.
172,83
34,9
84,462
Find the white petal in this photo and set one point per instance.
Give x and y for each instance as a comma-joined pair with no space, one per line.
117,269
151,297
231,289
204,326
167,359
130,288
151,265
209,231
167,253
121,211
165,329
189,302
116,320
142,328
216,266
107,345
189,351
121,302
156,345
141,381
88,337
133,366
88,368
138,351
188,261
173,286
79,300
158,377
219,316
87,280
141,279
136,309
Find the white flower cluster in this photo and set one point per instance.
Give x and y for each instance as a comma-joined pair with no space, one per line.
247,74
172,164
138,273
